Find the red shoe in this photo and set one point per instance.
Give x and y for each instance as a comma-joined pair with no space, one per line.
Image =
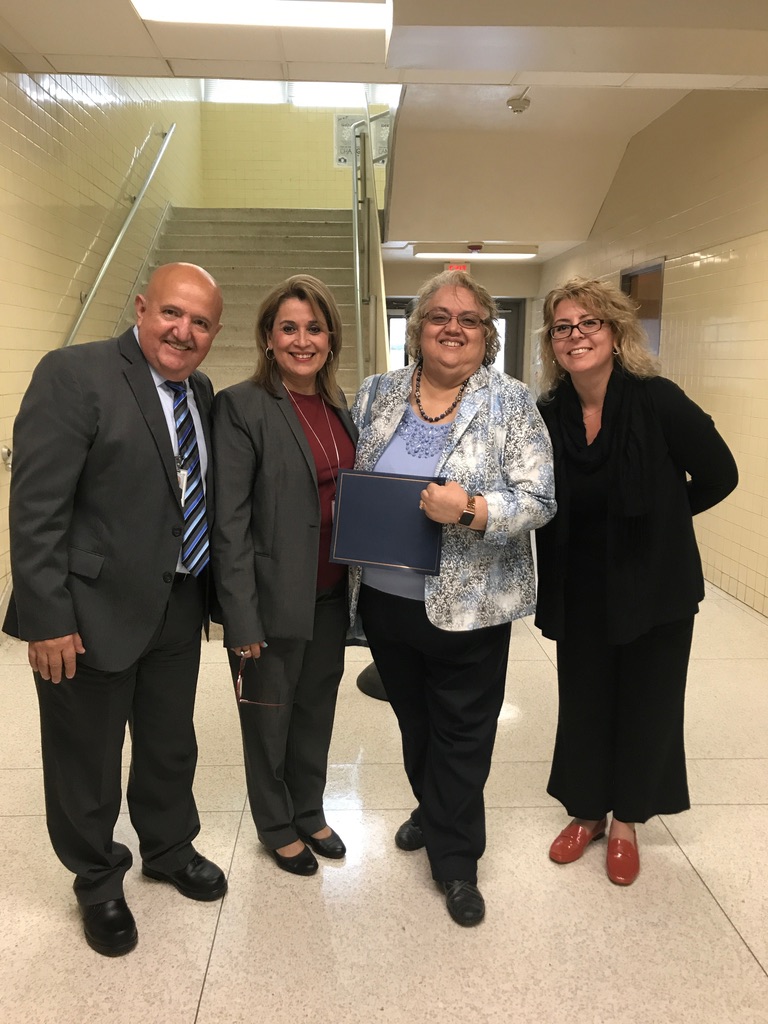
622,862
573,841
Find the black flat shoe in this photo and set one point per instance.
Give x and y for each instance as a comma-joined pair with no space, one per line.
109,927
464,901
409,836
303,863
201,879
331,846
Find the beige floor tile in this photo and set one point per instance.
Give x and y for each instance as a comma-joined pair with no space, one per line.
732,781
727,708
48,974
726,847
368,939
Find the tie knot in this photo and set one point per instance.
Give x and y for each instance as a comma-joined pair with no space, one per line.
177,386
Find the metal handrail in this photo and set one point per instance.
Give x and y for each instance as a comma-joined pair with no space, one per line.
121,235
356,253
358,129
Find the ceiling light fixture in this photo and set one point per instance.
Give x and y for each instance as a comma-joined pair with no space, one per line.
275,13
471,251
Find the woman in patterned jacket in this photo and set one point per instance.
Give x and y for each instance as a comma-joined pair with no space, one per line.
440,643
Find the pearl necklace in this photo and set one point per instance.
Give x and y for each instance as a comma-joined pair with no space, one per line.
448,411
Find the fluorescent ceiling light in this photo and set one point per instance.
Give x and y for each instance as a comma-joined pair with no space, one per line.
460,252
275,13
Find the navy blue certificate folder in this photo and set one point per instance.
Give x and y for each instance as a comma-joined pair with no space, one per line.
378,522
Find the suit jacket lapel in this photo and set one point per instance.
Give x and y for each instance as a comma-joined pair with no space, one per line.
140,381
286,408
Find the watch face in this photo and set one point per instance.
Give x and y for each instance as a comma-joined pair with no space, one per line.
465,519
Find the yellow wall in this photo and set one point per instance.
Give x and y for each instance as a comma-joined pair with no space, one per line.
72,149
692,192
277,156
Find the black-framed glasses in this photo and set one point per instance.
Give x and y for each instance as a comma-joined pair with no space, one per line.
589,326
244,659
440,318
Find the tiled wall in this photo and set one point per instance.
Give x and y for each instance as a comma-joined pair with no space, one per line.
277,156
72,150
692,191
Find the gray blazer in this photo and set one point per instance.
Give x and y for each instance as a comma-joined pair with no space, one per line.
267,531
95,512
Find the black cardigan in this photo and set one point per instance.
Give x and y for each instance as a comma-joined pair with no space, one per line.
660,579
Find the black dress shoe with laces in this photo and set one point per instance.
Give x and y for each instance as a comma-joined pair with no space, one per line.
303,863
464,901
109,927
201,879
409,836
332,846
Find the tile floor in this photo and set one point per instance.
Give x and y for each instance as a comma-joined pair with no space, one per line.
369,939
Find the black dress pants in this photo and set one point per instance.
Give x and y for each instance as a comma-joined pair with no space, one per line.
83,724
287,730
619,745
446,689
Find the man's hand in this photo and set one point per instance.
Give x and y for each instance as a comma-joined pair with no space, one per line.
49,657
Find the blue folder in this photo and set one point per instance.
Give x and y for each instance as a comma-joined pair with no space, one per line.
378,522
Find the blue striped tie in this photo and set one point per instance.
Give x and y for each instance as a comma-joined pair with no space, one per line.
195,554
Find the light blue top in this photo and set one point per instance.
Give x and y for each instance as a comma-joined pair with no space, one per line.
414,450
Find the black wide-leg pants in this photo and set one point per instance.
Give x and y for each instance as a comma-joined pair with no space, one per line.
83,724
620,745
446,689
287,729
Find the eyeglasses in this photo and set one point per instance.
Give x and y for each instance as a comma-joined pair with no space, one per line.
439,318
244,659
590,326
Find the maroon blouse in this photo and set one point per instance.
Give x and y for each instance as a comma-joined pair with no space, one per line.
322,427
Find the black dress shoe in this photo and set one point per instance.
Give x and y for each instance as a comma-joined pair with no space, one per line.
332,846
201,879
109,927
464,901
409,836
303,863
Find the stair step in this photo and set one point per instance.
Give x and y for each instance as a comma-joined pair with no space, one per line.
258,229
257,215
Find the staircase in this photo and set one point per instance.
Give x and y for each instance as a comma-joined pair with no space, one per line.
249,252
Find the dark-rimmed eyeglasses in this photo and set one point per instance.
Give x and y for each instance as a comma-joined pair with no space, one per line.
244,659
589,326
440,318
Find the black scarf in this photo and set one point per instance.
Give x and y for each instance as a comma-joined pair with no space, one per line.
626,441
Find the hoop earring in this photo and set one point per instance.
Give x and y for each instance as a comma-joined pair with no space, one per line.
616,351
267,355
330,356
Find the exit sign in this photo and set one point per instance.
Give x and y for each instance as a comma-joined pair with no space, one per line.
458,266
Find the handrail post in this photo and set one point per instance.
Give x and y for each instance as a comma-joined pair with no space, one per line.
108,258
356,255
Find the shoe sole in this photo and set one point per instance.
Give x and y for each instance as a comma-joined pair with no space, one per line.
207,897
98,947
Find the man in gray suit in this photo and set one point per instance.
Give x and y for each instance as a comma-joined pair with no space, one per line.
109,519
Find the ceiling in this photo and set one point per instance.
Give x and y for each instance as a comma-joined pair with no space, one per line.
597,72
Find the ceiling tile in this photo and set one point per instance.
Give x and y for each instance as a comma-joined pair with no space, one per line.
301,71
319,44
268,71
87,64
217,42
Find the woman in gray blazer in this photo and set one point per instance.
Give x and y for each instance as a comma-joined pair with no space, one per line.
280,439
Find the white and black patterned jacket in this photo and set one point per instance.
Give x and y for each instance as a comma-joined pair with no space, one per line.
499,447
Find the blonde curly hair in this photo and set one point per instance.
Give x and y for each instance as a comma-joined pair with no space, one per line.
609,303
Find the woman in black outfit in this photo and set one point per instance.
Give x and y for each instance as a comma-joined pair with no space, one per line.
620,576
